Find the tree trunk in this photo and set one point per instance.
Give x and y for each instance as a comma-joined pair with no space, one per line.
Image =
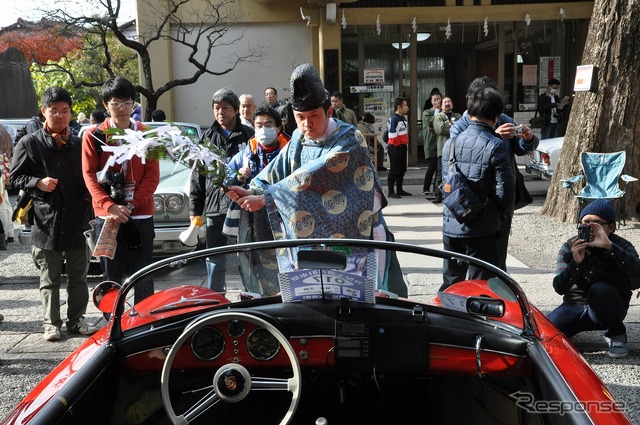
608,120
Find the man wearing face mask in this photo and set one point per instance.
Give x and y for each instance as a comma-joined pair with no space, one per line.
266,144
550,108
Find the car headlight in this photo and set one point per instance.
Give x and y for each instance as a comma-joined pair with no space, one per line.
158,203
174,203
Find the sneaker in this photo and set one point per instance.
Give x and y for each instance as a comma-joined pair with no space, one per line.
51,333
617,349
82,328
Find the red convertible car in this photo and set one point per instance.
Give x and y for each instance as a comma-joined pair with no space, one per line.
333,346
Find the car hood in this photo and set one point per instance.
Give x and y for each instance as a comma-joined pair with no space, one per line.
173,177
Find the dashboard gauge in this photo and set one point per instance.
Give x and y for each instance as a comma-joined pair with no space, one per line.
262,345
235,328
207,343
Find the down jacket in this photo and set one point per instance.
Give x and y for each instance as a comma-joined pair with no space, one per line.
484,159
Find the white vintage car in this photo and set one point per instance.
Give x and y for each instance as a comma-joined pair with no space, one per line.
543,161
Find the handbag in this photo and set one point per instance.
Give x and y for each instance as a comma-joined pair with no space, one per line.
523,197
24,202
459,198
537,121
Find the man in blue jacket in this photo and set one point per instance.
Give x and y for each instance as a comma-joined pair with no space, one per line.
484,159
519,143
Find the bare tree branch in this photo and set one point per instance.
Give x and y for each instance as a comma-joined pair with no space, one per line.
200,39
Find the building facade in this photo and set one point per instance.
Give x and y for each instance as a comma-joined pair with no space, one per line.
373,52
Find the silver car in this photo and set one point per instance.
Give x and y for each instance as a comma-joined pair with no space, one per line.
171,210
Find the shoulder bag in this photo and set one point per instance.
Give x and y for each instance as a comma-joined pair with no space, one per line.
458,196
21,209
537,121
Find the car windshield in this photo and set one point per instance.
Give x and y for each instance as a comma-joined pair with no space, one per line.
330,270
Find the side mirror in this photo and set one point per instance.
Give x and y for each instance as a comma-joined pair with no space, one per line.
104,296
485,306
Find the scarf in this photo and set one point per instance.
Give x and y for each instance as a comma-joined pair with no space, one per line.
60,138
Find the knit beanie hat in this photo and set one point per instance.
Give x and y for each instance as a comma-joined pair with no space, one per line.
600,207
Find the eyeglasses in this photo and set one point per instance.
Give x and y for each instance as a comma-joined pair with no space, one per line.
265,125
601,223
118,105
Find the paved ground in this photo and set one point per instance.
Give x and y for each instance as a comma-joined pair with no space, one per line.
25,357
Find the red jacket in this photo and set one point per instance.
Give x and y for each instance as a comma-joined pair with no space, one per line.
146,176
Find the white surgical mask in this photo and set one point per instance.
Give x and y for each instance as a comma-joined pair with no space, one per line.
553,91
266,136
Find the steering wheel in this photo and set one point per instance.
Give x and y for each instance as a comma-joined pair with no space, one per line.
232,382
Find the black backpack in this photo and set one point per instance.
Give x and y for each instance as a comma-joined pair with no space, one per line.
20,133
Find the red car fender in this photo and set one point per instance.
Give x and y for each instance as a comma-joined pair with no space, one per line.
51,384
582,379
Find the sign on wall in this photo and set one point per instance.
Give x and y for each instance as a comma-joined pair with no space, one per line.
586,78
374,105
549,68
374,76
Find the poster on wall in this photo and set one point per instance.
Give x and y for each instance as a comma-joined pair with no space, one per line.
529,75
549,68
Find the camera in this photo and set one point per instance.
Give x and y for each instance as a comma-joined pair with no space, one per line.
113,184
518,130
584,232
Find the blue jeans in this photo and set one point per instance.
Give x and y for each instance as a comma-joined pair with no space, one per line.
128,261
605,309
216,266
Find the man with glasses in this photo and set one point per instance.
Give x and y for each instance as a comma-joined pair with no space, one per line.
46,164
271,98
126,194
596,272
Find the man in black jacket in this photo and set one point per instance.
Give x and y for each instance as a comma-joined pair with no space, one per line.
47,164
596,272
229,134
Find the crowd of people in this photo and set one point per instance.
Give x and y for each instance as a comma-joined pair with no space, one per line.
268,146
